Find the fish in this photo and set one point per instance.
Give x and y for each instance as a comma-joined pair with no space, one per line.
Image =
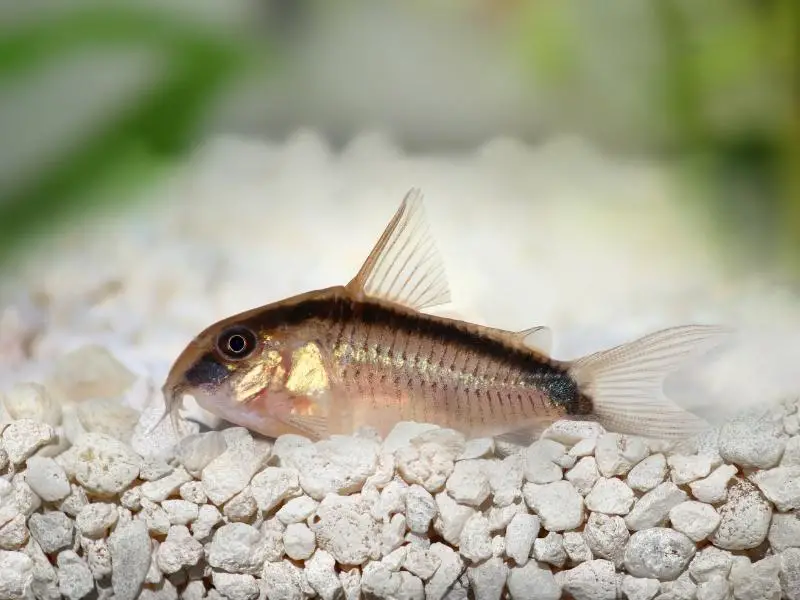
371,353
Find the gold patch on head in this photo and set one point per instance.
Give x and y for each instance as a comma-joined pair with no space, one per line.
307,375
266,373
251,382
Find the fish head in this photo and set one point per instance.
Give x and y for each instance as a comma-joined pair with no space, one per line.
233,369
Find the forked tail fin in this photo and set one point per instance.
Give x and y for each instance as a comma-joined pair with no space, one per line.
625,383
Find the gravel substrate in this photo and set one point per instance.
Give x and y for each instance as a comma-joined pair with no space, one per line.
425,513
94,506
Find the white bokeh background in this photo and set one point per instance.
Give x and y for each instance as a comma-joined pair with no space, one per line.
596,248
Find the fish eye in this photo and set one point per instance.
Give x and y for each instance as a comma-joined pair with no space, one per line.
236,343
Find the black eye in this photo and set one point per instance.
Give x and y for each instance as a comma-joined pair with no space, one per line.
237,343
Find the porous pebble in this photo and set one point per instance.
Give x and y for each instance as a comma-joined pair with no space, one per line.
581,512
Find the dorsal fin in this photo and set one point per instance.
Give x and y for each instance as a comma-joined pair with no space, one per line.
539,338
404,266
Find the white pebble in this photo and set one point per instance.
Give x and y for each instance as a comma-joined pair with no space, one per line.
14,534
91,371
610,496
616,453
542,461
790,573
752,440
477,448
576,547
28,400
451,518
428,465
584,447
652,509
17,570
558,504
640,588
646,475
714,488
161,489
337,465
180,512
685,469
475,542
520,534
235,586
241,507
658,553
488,579
297,510
351,583
192,491
47,479
238,548
450,569
155,517
129,544
392,499
75,580
533,581
468,483
196,451
283,581
695,519
791,455
299,541
392,533
607,536
505,479
682,588
321,575
421,562
231,471
95,519
781,486
591,580
716,588
550,549
378,581
208,516
53,531
584,475
23,437
402,434
571,433
273,485
784,531
421,508
345,529
745,518
104,465
709,563
179,551
753,581
104,415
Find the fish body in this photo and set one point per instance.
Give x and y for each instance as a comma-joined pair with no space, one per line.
366,354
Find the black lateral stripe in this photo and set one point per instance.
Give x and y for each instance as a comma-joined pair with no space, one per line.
546,375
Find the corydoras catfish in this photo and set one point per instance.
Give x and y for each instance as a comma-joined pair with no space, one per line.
365,354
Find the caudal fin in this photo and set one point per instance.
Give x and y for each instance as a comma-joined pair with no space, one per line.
625,383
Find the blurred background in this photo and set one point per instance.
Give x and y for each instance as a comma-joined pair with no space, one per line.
666,133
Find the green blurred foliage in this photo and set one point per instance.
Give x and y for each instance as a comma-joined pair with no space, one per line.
725,85
149,130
